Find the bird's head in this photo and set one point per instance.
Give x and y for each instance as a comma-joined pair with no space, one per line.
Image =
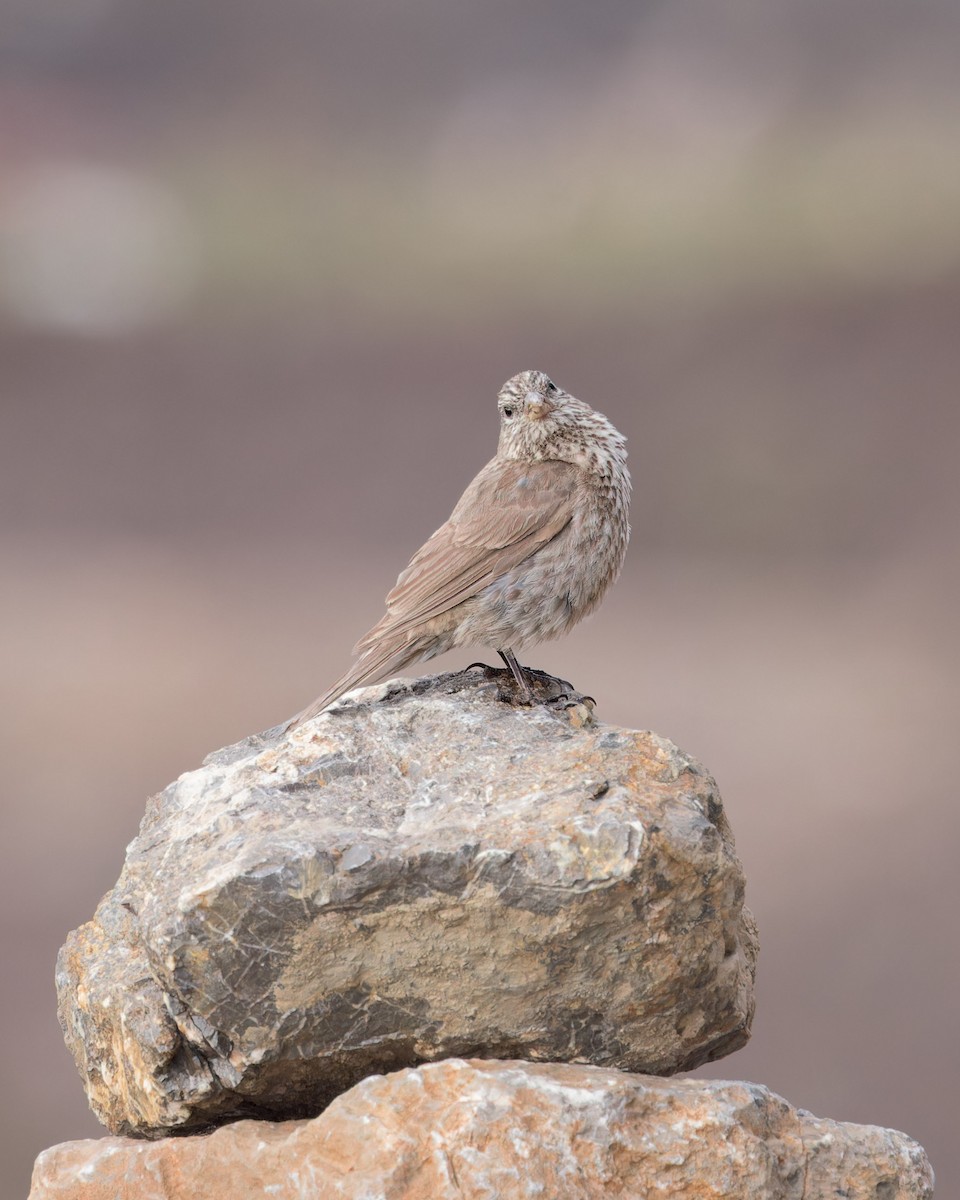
539,420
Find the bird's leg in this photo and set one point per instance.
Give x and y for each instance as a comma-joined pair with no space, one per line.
517,672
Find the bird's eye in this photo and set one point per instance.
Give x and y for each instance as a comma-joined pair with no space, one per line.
507,411
551,387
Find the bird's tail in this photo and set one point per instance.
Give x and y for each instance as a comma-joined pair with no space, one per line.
385,656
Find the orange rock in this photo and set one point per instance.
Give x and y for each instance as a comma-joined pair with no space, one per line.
504,1131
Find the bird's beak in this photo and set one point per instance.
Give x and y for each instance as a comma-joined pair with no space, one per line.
536,406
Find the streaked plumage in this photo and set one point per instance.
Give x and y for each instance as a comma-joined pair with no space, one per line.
529,549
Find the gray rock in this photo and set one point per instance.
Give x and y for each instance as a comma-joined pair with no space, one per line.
423,872
475,1130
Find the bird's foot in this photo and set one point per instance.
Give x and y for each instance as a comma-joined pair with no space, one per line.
541,688
509,689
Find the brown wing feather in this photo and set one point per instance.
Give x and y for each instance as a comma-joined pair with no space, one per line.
506,513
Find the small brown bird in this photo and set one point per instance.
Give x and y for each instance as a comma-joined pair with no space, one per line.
531,547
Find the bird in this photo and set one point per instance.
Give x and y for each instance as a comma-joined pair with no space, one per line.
530,548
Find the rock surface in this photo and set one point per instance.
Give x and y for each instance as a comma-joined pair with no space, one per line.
426,871
504,1130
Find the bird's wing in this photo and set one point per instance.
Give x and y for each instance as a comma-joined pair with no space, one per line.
506,513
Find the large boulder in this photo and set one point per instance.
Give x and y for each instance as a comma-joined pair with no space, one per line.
425,871
477,1130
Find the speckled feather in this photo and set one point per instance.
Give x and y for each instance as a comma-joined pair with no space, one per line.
529,549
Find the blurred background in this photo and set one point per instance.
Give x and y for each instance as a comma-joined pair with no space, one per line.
262,271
